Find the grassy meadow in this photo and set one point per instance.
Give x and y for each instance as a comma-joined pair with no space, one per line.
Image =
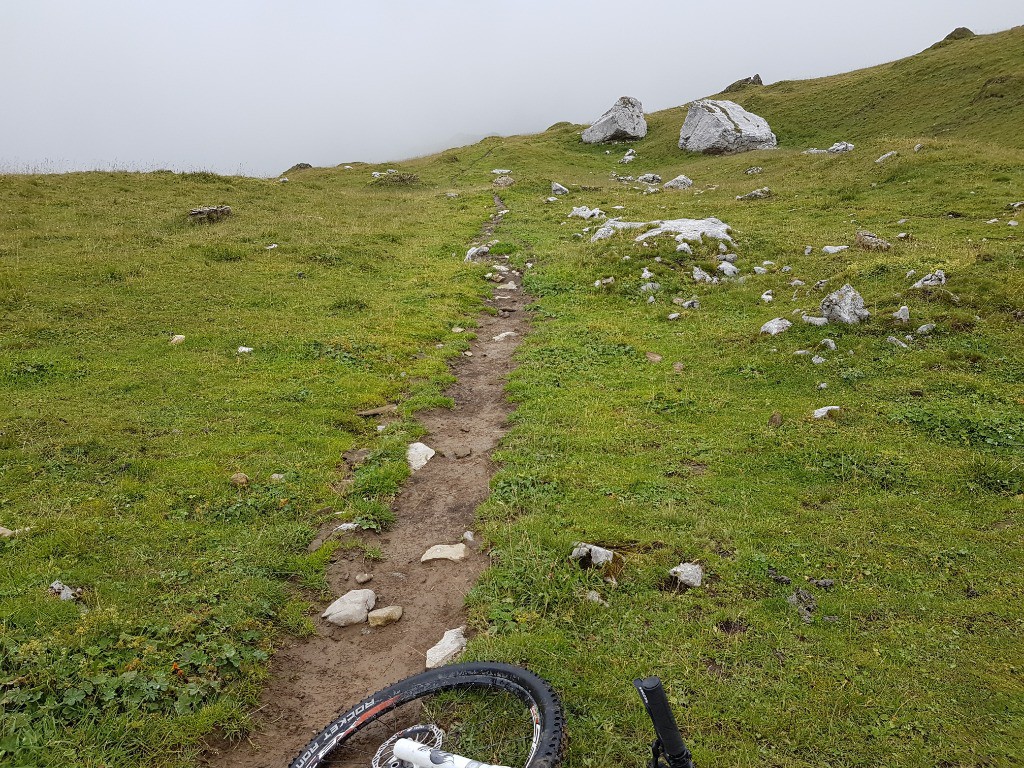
117,448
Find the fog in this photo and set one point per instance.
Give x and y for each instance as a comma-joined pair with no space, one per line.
253,87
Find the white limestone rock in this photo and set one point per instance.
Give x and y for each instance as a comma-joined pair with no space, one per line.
418,454
679,182
758,194
776,326
826,412
886,156
896,342
453,552
727,269
450,646
700,276
591,555
838,148
558,189
649,178
834,249
902,315
932,279
724,127
351,608
688,575
844,306
926,329
624,121
692,230
583,212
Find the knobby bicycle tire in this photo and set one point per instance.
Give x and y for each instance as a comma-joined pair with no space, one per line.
534,692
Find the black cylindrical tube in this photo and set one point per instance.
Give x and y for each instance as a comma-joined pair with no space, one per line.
656,703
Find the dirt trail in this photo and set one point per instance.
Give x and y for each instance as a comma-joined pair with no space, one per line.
312,680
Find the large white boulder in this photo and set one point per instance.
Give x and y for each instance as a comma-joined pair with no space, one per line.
724,127
625,120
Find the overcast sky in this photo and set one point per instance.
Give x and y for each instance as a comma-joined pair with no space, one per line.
255,86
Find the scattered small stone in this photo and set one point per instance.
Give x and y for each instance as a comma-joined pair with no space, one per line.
450,646
653,357
245,350
380,411
926,329
688,575
728,269
591,555
775,420
805,604
177,339
817,359
796,283
384,616
758,194
364,578
754,170
673,316
822,385
787,269
558,189
838,148
767,297
918,148
776,326
932,279
595,597
239,479
277,477
454,552
583,212
351,608
649,178
816,321
701,276
808,250
886,156
844,306
347,528
825,584
777,577
902,315
650,288
826,412
760,270
828,344
7,533
896,342
468,536
869,241
834,249
503,336
504,181
418,454
270,247
678,367
64,592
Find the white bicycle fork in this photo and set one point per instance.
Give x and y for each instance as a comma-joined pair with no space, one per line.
423,756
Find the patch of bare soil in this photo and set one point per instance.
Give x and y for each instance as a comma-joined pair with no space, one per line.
313,680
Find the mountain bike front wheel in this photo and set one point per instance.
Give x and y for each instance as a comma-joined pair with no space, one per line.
495,713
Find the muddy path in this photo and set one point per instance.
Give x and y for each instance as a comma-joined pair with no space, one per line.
312,680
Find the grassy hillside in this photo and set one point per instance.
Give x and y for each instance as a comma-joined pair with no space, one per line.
116,448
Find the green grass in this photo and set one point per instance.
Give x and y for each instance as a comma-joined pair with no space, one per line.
116,448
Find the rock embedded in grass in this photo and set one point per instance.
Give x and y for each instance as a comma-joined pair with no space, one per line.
649,178
896,342
448,648
902,315
679,182
886,156
624,121
931,280
758,194
724,127
591,555
503,181
805,604
240,479
558,189
831,250
177,339
926,329
869,241
844,306
351,608
776,326
826,412
689,575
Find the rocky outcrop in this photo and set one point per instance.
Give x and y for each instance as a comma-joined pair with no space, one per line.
724,127
739,85
624,121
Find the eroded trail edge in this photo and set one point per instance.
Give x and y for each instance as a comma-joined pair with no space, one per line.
312,680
